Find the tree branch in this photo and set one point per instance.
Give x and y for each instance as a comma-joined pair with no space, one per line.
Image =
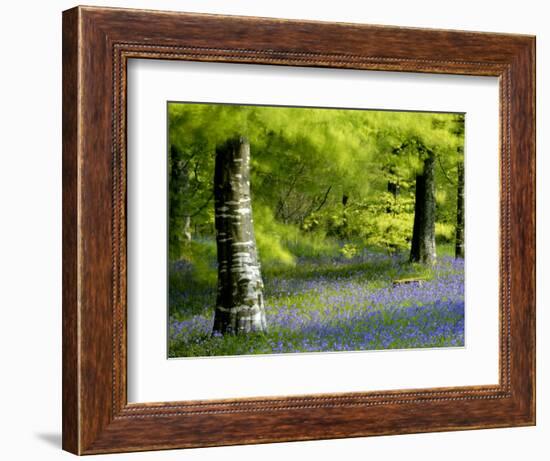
323,201
444,172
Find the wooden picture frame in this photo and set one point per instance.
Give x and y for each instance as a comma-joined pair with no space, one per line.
97,43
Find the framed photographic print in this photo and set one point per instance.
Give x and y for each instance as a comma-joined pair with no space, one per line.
282,230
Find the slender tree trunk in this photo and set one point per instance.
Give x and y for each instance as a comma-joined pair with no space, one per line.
393,188
418,217
459,245
240,303
187,228
423,240
344,226
179,207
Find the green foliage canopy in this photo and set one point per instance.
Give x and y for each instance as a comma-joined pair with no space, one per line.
317,175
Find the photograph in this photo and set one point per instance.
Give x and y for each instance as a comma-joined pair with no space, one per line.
313,229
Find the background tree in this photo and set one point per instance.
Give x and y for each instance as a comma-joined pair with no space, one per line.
458,130
459,245
423,237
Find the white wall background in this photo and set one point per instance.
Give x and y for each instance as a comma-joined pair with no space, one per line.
30,233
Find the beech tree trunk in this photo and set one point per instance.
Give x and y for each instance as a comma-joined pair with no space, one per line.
240,299
423,239
459,245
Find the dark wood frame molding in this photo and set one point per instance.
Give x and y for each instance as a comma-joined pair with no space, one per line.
97,43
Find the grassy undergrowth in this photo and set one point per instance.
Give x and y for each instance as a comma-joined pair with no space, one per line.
327,302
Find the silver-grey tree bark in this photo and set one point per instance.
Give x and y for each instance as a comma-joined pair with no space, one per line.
459,237
423,239
240,298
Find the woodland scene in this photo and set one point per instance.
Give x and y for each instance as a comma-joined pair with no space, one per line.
298,229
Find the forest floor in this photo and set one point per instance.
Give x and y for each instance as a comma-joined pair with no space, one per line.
329,303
